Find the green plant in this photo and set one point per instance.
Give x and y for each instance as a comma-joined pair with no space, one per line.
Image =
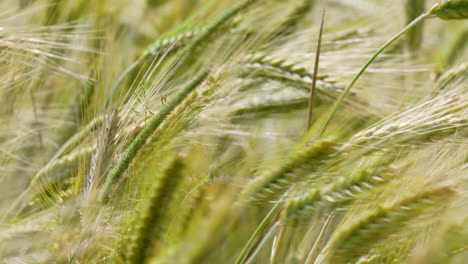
225,131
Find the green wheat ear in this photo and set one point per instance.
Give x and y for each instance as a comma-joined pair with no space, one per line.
272,185
356,239
336,194
150,227
140,141
455,9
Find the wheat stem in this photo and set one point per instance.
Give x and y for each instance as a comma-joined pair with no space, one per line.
272,214
364,68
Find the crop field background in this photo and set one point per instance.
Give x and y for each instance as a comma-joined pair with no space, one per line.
234,131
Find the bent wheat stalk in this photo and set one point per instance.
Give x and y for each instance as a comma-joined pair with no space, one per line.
456,9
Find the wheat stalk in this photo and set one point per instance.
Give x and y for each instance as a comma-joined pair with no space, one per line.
458,48
456,9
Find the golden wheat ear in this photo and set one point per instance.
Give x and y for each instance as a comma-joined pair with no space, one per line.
450,10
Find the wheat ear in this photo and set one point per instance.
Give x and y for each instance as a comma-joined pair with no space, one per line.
453,9
169,42
174,40
457,73
351,242
136,145
207,32
274,184
281,69
293,19
102,156
339,193
269,104
150,227
214,26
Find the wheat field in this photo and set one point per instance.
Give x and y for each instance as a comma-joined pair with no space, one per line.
234,131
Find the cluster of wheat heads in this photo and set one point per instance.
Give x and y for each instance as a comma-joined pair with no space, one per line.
153,131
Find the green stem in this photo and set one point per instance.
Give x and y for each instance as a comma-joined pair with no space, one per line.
260,229
364,68
269,233
277,246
